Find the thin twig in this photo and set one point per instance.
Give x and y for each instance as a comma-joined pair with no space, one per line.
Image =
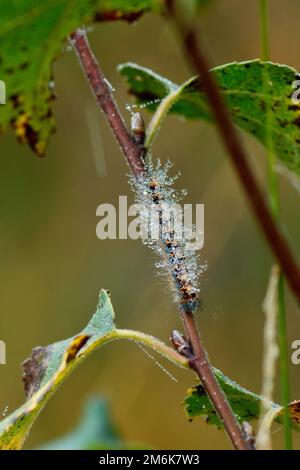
133,154
193,49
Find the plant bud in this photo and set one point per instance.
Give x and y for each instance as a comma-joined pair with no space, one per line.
137,128
181,344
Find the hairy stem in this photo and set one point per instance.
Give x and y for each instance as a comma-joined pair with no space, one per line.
133,155
275,207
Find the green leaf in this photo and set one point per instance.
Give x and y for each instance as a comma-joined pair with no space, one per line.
48,367
249,89
32,35
245,404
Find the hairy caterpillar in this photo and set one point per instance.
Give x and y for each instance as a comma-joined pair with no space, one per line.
155,191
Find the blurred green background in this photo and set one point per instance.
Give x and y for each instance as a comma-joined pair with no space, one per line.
53,266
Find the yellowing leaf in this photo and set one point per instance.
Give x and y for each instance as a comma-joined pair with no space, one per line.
48,367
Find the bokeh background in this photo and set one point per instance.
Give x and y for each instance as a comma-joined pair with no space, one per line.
53,266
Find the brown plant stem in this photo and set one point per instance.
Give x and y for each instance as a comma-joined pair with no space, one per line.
194,51
133,154
201,365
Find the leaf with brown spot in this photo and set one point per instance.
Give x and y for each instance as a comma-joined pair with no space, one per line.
252,90
33,370
48,367
32,36
245,404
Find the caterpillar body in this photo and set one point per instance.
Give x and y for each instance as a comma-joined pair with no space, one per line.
154,191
